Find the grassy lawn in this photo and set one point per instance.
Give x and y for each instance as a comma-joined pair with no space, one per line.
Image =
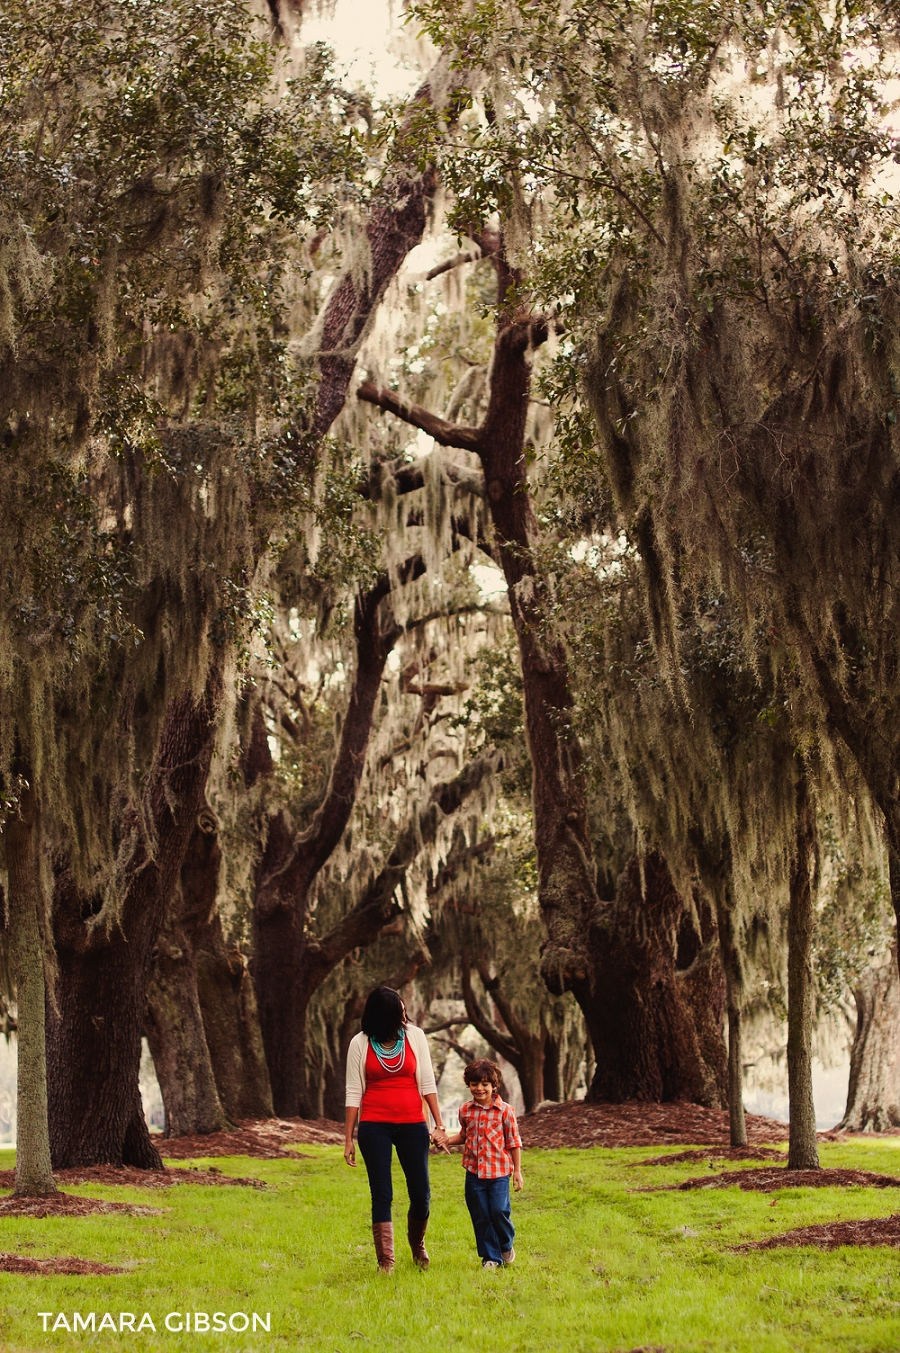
599,1268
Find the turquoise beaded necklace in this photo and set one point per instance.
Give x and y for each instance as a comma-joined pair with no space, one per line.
393,1061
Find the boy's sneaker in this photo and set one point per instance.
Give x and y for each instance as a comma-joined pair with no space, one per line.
508,1256
489,1263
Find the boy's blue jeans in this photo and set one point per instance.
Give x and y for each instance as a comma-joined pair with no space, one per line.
488,1204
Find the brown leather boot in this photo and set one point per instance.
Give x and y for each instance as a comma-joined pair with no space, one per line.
383,1235
415,1230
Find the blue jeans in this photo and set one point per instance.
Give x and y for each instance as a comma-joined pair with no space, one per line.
411,1141
488,1204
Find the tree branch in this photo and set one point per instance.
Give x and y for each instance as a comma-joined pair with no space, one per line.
408,476
447,873
378,905
447,434
479,1020
286,874
520,1033
463,1053
467,256
396,224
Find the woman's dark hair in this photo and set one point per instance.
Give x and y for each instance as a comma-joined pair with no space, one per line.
384,1016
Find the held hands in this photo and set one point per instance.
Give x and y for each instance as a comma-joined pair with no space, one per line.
439,1138
350,1154
518,1181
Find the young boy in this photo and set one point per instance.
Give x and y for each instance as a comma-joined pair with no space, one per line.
492,1151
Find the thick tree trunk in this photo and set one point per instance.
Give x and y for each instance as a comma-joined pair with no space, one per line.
673,1038
803,1150
553,1070
531,1077
566,871
291,863
576,954
873,1094
34,1177
283,994
335,1079
656,1037
734,999
231,1024
104,956
174,1026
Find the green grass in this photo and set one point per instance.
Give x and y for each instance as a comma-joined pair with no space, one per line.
599,1268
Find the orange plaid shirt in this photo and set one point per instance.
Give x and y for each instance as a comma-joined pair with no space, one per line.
491,1132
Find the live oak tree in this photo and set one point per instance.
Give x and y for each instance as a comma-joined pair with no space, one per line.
723,383
388,225
726,270
578,926
150,182
709,769
856,970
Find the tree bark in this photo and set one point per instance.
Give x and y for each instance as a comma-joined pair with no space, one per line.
174,1025
231,1025
803,1151
335,1081
657,1037
873,1093
566,872
104,955
734,999
34,1176
553,1070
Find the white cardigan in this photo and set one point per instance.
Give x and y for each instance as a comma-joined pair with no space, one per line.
356,1066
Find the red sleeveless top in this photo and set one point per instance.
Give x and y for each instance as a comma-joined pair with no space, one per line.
391,1097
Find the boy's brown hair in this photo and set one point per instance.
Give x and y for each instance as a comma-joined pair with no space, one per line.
482,1070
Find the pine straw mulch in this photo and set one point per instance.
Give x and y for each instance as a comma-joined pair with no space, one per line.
133,1178
714,1153
264,1139
66,1264
70,1205
638,1124
831,1234
769,1181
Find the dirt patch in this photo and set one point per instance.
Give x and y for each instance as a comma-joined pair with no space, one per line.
714,1153
768,1181
265,1139
636,1124
829,1235
20,1263
69,1205
138,1179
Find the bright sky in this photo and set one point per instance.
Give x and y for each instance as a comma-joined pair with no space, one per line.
368,37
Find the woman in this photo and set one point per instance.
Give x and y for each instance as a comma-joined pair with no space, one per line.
389,1073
